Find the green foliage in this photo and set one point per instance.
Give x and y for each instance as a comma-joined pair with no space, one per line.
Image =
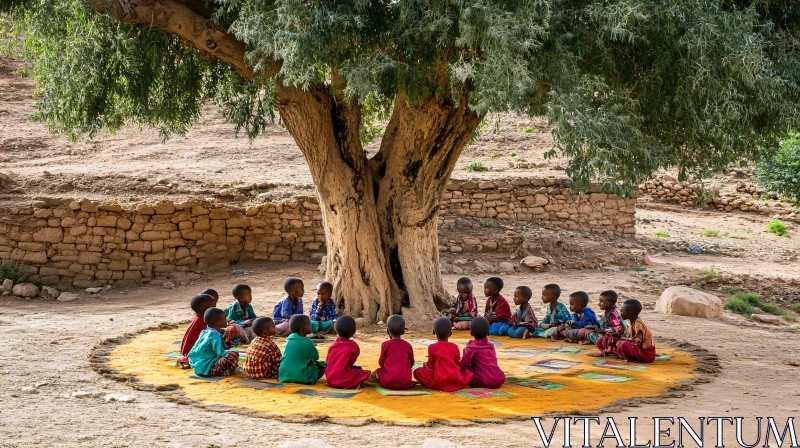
744,303
527,130
631,86
781,172
710,274
739,306
488,223
661,234
711,233
13,270
476,166
796,307
777,227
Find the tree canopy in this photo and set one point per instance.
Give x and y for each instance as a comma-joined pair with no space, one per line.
631,85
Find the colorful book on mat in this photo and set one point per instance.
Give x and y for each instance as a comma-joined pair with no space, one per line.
319,393
402,393
476,394
416,365
495,343
523,353
211,379
257,384
533,383
663,357
618,365
567,350
425,342
553,364
173,355
605,377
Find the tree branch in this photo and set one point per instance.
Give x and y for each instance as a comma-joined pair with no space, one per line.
190,21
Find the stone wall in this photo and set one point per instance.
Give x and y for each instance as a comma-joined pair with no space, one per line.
87,244
546,201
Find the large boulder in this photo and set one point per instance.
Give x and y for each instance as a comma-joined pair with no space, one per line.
25,290
534,262
8,284
49,293
685,301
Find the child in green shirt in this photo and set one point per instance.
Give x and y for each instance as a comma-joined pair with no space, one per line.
241,314
300,362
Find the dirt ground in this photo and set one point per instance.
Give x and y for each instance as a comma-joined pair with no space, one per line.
48,342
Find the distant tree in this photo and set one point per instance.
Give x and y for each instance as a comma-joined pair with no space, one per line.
780,173
631,86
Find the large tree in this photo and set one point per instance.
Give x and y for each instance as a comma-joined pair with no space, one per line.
630,85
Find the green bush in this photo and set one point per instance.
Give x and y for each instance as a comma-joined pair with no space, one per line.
744,303
488,223
797,307
661,234
711,233
527,130
13,270
739,306
781,173
777,227
476,166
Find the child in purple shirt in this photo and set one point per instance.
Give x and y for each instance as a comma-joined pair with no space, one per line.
480,358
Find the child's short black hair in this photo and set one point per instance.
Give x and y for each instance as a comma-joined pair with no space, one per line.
261,324
497,282
442,327
290,282
324,285
525,291
464,281
239,290
479,328
610,295
634,306
582,296
396,325
554,288
297,322
212,292
212,316
201,302
345,327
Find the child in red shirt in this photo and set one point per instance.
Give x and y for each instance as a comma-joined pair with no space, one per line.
442,371
200,303
481,359
341,373
397,357
498,312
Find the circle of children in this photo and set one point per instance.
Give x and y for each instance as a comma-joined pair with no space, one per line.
206,345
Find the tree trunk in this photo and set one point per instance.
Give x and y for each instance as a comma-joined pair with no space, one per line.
381,215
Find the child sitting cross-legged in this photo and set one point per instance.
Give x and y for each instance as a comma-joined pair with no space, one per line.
263,356
290,305
466,307
342,355
323,310
497,310
582,317
555,312
637,344
397,357
481,359
208,357
442,370
241,314
300,362
609,323
200,303
523,322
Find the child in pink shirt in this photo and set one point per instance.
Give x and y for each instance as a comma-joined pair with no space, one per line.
341,372
480,358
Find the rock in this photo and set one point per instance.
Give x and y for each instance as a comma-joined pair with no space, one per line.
506,267
767,319
119,397
67,297
25,290
49,293
93,290
8,284
483,266
30,390
85,394
685,301
533,262
19,190
323,265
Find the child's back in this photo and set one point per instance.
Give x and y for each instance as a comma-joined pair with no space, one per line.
396,362
300,362
342,354
263,356
442,371
208,356
481,359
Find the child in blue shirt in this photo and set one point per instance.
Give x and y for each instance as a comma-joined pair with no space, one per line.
208,357
582,316
323,310
290,305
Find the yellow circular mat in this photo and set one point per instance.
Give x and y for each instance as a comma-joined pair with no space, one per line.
542,377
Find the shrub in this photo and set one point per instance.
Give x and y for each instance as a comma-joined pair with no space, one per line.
711,233
14,271
661,233
476,166
781,173
739,306
797,307
777,227
488,223
527,130
744,303
710,274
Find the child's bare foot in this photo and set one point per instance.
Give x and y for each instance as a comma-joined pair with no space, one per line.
597,354
526,334
373,377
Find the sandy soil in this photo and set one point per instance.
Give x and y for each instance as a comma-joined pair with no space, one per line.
51,340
